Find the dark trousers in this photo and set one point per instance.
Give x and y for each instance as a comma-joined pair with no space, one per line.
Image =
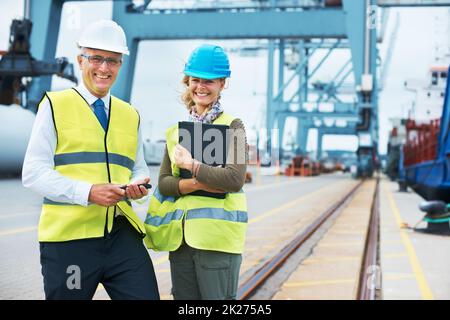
119,261
203,274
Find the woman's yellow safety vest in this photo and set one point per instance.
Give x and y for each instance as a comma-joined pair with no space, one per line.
209,223
85,152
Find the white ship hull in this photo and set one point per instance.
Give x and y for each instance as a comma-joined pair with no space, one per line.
15,130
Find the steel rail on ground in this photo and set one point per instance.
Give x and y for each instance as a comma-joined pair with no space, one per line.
248,288
369,280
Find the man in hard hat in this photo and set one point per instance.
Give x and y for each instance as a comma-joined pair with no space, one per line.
85,156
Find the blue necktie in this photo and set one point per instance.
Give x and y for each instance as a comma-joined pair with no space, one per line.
99,110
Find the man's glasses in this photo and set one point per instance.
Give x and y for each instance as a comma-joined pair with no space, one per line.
98,60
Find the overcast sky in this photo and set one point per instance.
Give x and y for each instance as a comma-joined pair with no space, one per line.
160,63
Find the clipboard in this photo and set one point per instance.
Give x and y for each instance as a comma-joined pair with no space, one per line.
208,144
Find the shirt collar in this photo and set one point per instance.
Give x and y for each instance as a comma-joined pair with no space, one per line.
89,97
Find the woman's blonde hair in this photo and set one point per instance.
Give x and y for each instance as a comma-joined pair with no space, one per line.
186,95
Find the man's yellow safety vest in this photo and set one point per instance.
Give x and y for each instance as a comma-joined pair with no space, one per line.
209,223
85,152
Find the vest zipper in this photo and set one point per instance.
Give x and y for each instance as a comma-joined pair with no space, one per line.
107,162
106,232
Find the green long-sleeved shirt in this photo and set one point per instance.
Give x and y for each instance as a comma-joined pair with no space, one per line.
230,178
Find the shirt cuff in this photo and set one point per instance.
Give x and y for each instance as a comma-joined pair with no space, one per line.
82,190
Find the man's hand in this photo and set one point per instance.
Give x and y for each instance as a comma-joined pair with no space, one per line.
106,194
133,191
183,158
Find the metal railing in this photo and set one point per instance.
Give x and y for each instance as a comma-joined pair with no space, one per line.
185,6
422,142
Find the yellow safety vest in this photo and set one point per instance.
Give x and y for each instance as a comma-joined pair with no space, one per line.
85,152
209,223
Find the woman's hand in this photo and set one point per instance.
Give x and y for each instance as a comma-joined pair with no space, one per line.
183,158
187,186
204,187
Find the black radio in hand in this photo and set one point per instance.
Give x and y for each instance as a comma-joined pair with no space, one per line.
145,185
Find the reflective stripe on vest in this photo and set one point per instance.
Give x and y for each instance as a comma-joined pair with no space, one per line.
210,224
85,152
93,157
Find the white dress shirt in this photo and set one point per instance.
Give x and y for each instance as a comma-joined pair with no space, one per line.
38,171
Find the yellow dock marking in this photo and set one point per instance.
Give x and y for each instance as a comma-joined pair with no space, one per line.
336,259
250,263
264,237
395,255
270,185
391,241
349,232
287,205
256,188
317,283
139,210
297,284
268,227
398,276
18,230
15,215
413,259
341,244
258,248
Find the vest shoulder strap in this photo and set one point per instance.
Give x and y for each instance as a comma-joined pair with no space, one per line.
57,96
121,103
125,106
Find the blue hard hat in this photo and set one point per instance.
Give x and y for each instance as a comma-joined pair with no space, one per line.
208,62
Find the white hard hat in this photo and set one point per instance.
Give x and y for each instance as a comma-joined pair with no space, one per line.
104,35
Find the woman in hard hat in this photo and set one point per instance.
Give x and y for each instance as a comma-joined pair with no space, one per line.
204,234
